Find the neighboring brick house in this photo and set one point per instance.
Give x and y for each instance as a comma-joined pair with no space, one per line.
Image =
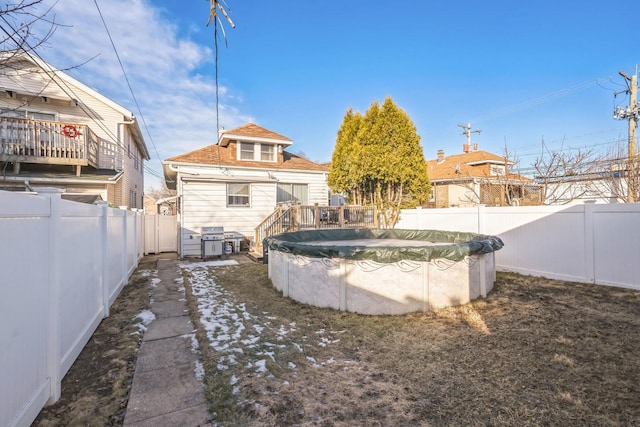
478,177
57,132
239,181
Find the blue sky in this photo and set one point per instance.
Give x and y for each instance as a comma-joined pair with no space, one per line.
519,72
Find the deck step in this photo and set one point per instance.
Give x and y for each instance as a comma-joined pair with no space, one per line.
255,256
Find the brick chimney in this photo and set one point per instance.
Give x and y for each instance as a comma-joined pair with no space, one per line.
440,156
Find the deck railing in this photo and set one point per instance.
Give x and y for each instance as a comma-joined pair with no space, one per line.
56,143
299,217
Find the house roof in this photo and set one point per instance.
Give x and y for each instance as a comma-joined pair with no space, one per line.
473,164
253,132
216,155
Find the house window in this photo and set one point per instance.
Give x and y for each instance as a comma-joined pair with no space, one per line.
266,152
497,170
293,193
34,115
135,160
238,194
246,151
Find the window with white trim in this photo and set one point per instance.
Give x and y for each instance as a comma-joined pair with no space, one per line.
497,170
28,114
267,152
238,194
259,152
246,151
295,193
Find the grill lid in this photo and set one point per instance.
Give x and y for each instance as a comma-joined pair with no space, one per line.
212,230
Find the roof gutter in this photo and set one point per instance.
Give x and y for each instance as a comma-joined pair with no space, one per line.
111,181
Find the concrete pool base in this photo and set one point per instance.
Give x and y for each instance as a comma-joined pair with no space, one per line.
369,287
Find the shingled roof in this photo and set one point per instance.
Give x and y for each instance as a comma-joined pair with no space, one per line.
252,131
474,164
216,155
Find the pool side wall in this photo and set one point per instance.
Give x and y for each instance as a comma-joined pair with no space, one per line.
368,287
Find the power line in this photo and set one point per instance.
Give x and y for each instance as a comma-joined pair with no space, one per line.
126,78
537,101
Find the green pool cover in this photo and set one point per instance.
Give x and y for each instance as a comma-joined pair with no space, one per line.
451,245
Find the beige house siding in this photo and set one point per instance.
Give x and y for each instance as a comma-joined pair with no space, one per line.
75,103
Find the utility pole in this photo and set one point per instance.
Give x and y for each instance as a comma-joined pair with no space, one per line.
466,131
632,114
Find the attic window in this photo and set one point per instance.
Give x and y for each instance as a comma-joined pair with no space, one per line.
246,151
497,170
266,153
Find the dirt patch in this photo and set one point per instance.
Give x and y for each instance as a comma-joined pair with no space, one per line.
95,391
535,352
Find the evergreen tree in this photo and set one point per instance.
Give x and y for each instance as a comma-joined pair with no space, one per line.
378,160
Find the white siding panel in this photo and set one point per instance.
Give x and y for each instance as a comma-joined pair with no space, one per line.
204,204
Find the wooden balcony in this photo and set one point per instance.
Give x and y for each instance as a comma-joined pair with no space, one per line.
56,143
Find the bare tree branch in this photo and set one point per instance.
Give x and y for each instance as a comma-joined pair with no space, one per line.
566,175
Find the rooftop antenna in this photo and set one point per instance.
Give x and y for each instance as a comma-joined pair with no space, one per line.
213,16
466,131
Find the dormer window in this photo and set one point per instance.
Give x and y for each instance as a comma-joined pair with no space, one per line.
258,152
267,153
497,170
246,151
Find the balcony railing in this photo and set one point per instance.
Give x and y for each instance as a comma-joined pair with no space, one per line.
56,143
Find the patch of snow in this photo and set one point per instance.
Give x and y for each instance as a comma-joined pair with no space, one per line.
155,281
146,317
261,366
314,363
201,264
199,370
292,365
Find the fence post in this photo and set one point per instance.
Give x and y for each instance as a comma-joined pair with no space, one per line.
125,269
589,244
316,216
134,254
54,341
104,252
376,220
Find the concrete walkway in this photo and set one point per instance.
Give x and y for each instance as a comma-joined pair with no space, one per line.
166,391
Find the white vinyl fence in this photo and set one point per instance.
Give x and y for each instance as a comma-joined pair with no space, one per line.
589,243
62,264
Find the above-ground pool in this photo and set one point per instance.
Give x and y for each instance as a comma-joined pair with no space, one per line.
382,271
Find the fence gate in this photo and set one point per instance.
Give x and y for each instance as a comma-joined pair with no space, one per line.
160,234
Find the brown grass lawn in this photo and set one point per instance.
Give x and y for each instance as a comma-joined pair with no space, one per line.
535,352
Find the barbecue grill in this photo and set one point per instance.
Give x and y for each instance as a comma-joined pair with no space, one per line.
212,240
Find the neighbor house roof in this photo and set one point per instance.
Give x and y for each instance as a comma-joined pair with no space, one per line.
473,164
